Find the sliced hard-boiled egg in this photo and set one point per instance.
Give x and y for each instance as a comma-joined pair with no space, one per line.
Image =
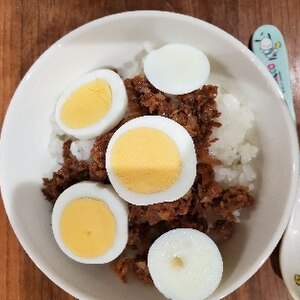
185,264
151,159
177,69
90,223
92,105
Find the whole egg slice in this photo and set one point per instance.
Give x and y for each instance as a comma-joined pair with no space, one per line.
185,264
151,159
177,69
90,223
92,105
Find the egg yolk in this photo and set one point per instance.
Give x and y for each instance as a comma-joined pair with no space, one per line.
88,227
87,105
146,160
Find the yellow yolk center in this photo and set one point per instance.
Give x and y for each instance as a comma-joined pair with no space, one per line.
146,160
88,227
177,262
87,105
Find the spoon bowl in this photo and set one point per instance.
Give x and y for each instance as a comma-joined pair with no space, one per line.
290,252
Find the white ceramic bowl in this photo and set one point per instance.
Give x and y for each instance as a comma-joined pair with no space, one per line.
112,41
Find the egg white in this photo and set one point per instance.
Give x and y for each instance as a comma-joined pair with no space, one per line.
186,150
113,116
201,270
177,69
117,206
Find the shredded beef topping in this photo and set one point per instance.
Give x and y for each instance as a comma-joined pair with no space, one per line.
222,230
141,270
97,165
121,266
71,172
166,211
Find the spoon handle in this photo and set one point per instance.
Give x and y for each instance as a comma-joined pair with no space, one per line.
268,45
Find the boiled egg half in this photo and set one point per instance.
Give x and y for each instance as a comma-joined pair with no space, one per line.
185,264
177,69
90,223
92,105
151,159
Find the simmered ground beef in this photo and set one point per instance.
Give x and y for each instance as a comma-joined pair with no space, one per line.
71,172
206,207
97,169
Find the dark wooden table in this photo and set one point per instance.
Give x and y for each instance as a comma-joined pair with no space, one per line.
27,28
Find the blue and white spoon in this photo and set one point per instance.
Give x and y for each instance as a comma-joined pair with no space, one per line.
268,45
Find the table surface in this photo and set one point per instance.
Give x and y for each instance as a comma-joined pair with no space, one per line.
27,28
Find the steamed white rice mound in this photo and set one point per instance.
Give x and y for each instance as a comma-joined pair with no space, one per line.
81,149
232,148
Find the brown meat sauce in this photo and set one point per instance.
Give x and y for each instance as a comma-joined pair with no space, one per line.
206,207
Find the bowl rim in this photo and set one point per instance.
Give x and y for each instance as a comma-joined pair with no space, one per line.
59,280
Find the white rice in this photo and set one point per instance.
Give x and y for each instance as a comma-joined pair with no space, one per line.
81,149
232,148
